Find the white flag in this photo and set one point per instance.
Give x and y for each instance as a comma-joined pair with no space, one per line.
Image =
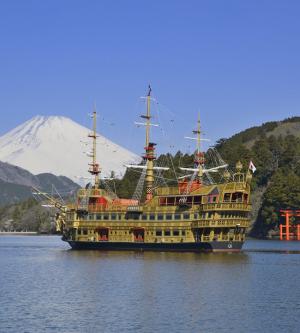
252,167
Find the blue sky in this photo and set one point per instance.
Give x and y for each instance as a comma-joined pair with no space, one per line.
235,61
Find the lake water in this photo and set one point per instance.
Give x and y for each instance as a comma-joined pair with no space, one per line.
45,287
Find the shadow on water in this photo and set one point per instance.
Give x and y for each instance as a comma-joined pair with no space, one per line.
156,256
251,246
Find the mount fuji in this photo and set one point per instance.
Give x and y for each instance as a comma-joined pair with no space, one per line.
58,145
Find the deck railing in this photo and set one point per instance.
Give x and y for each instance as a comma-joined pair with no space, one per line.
227,206
243,222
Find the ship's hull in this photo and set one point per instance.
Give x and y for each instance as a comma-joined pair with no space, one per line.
135,246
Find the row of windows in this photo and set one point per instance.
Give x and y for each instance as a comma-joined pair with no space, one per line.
161,216
144,217
189,200
167,233
196,200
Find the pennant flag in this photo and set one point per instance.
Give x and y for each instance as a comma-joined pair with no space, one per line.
252,167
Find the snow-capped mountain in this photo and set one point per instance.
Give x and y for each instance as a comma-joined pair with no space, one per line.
59,145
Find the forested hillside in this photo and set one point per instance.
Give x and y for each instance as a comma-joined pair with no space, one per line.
275,151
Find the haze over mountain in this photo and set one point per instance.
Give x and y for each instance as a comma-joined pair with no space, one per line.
59,146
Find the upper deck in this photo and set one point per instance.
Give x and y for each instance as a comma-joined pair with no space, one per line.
226,196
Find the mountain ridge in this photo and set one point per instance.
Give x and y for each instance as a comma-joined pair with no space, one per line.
16,183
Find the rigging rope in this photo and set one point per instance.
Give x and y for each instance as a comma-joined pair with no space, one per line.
108,189
137,195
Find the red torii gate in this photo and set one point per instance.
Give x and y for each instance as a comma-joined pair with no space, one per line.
285,230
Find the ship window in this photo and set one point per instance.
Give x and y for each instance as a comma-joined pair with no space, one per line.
120,216
79,231
158,233
196,215
206,232
237,197
163,201
182,232
212,198
209,215
170,200
204,199
98,216
189,200
105,217
113,216
168,216
197,199
186,216
160,216
84,231
144,217
152,217
227,197
175,232
177,216
167,233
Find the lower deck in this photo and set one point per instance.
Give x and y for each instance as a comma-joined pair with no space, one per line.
156,234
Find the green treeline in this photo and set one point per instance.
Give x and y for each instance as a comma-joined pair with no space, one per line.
26,216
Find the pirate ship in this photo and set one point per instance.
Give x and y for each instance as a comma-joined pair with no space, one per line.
194,215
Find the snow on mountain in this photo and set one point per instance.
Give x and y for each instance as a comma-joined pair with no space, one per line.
58,145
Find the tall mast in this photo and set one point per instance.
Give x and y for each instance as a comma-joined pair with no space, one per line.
94,166
198,134
199,156
148,117
149,151
149,155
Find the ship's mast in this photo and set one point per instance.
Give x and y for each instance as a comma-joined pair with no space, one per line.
199,158
149,151
94,166
149,155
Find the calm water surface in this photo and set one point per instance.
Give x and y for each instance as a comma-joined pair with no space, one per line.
45,287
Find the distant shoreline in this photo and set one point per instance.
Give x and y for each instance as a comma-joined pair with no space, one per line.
19,233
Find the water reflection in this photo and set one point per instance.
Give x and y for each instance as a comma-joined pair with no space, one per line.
46,287
186,257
